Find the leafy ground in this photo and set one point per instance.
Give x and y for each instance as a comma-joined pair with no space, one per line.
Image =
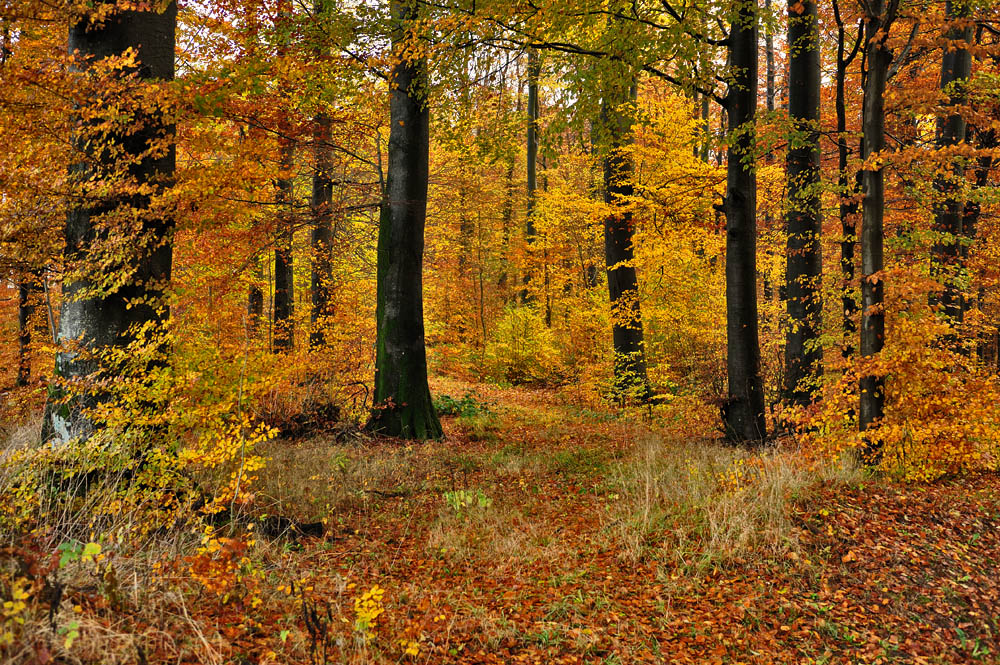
541,531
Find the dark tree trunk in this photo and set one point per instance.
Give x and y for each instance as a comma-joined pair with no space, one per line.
848,208
623,286
743,412
25,308
803,352
956,67
255,303
530,232
769,72
95,318
322,232
878,57
284,273
403,405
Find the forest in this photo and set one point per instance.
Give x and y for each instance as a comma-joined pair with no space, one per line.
499,331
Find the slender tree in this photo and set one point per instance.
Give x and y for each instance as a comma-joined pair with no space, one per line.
403,405
284,269
879,17
530,232
623,284
321,203
949,213
803,352
744,410
848,208
322,230
140,156
25,308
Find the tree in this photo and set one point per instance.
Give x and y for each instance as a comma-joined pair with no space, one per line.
803,352
879,17
623,284
949,213
744,410
848,208
138,156
403,405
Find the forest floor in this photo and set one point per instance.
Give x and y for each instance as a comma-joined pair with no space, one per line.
543,531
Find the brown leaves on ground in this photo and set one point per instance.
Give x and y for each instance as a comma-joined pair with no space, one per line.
868,572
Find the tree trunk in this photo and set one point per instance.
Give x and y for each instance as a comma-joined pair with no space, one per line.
803,352
95,318
25,308
848,208
530,232
743,412
403,405
956,67
878,58
769,72
630,378
322,232
284,273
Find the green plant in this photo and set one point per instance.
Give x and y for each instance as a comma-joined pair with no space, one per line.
461,501
466,406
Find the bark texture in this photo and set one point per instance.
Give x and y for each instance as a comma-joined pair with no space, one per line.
95,316
880,17
403,405
743,412
803,352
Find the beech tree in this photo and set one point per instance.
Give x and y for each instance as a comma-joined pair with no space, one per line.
803,352
619,253
403,405
138,155
879,17
744,409
949,213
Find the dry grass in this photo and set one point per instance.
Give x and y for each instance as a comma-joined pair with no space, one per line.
693,504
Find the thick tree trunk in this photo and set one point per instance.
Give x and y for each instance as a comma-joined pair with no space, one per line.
322,231
956,67
623,285
803,352
94,318
284,272
403,405
878,57
744,411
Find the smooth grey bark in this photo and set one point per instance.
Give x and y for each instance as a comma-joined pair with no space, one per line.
803,352
321,238
880,16
402,402
949,210
630,376
743,412
94,318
